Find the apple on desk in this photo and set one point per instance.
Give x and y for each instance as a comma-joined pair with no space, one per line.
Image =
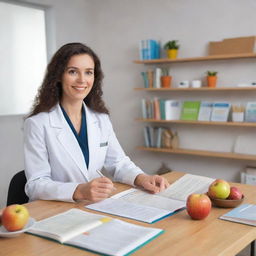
235,194
198,206
219,189
15,217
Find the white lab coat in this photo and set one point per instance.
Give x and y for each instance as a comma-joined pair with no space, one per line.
54,162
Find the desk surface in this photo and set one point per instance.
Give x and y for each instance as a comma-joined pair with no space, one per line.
183,236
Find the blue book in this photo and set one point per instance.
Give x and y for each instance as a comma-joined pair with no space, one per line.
145,79
245,214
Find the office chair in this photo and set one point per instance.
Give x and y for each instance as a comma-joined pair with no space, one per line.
16,192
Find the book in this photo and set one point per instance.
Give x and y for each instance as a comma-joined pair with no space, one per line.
146,207
205,111
91,232
157,75
190,110
172,109
250,112
146,136
145,79
245,214
144,108
220,112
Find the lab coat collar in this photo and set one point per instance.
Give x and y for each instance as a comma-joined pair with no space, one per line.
69,142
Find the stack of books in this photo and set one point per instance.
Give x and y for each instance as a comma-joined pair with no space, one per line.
149,49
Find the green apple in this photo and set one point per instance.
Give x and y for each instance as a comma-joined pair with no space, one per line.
219,189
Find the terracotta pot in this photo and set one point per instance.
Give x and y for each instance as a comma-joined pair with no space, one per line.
172,53
211,81
166,81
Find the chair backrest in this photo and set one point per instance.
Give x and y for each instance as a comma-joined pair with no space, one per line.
16,192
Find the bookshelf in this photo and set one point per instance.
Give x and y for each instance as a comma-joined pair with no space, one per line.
195,59
205,153
238,124
202,89
195,152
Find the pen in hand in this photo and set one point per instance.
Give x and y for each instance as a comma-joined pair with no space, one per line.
101,175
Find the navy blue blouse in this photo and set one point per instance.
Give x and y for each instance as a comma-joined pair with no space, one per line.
82,137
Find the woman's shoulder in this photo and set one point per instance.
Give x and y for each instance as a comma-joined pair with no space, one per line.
40,118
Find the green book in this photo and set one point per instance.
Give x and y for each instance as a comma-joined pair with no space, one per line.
190,110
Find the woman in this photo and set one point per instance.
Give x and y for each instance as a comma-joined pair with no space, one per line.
69,137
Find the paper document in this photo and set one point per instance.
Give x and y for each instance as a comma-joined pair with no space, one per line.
143,206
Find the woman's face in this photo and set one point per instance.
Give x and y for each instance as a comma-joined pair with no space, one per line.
78,78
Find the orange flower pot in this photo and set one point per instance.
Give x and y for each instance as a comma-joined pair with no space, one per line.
166,81
211,81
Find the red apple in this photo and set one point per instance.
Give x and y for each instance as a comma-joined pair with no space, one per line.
15,217
219,189
198,206
235,194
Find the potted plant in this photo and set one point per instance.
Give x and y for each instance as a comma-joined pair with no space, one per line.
172,49
212,79
166,79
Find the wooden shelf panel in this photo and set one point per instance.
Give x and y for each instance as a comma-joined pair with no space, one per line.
194,59
253,88
201,153
239,124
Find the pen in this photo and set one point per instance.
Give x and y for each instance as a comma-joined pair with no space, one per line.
101,175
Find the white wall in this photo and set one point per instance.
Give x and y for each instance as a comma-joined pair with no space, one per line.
114,28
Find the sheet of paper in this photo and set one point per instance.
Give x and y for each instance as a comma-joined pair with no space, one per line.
187,185
129,210
124,238
140,197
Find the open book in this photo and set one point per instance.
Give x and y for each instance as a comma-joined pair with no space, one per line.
143,206
245,214
92,232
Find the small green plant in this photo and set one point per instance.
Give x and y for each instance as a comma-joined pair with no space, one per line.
165,72
212,73
171,45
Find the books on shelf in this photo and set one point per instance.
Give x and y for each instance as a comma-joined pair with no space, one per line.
190,110
205,111
149,49
220,111
245,214
90,231
250,112
172,109
146,207
157,137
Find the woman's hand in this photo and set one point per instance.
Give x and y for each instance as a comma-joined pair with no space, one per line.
154,184
95,190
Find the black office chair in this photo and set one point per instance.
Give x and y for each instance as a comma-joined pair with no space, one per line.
16,191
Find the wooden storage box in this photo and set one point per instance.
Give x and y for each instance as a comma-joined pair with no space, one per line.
237,45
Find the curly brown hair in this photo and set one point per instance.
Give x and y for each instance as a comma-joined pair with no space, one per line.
50,92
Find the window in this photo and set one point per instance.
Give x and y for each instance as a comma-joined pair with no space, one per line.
23,56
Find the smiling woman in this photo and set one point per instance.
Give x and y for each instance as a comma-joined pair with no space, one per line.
69,136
